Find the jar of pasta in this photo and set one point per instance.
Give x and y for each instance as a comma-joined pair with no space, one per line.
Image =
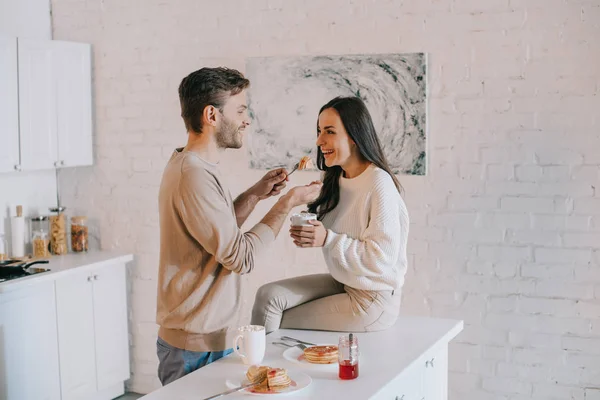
58,232
40,241
79,234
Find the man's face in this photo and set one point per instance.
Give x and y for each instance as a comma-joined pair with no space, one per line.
234,120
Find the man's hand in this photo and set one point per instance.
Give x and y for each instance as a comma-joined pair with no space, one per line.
271,184
313,235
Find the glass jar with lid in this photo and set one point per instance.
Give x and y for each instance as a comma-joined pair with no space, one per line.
58,232
40,239
79,234
348,355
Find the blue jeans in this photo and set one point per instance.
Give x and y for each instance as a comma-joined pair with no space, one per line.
175,363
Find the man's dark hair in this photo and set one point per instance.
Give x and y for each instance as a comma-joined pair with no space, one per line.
207,87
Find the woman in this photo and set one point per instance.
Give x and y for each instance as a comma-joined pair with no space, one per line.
362,227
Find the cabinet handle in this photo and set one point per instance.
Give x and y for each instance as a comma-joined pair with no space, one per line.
429,363
95,277
400,397
89,278
17,167
62,162
56,163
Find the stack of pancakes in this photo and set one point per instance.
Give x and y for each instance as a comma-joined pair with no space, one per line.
321,354
268,379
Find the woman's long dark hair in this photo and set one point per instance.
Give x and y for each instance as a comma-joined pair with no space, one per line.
359,126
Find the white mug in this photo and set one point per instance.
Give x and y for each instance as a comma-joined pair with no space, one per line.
302,219
251,341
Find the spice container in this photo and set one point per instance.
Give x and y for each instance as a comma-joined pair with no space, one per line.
348,354
79,234
58,234
39,238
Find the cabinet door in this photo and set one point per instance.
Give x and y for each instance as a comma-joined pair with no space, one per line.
72,74
9,105
407,386
28,344
37,105
435,376
112,337
75,309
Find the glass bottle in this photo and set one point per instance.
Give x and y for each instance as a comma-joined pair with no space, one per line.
348,354
79,234
58,233
40,240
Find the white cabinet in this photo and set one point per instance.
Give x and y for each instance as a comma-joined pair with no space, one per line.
92,331
426,379
435,376
29,368
9,105
55,104
37,105
110,322
73,87
74,302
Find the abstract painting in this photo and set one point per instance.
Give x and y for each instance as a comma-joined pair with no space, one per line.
286,94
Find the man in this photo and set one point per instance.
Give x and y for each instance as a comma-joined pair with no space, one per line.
203,252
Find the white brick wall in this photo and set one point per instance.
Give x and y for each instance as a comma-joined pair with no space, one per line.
505,227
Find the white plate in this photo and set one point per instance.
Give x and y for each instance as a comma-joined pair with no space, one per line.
299,381
296,355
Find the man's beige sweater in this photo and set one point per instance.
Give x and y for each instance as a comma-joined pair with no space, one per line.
203,254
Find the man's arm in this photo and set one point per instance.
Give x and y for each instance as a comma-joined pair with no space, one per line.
244,205
295,197
269,185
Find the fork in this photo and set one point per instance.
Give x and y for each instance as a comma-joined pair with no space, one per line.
294,168
302,346
297,340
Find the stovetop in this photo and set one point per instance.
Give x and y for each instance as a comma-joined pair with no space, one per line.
12,274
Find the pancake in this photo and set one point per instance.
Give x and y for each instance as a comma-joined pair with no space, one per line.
321,354
257,374
305,162
268,379
277,378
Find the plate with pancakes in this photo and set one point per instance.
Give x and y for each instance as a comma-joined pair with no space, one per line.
270,381
321,356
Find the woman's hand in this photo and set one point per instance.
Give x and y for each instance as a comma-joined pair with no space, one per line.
312,235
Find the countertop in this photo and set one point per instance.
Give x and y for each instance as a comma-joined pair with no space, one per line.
62,265
383,357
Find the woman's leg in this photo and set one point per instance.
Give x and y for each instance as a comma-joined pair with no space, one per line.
274,298
335,313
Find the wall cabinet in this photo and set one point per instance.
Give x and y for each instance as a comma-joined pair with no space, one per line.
52,104
9,105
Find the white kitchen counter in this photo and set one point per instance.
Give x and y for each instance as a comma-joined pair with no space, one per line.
66,264
390,362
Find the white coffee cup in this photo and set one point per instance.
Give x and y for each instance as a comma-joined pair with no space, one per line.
302,219
251,342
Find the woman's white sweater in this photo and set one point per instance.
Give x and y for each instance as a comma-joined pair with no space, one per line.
367,233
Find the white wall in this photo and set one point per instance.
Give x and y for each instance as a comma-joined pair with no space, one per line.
505,229
36,191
